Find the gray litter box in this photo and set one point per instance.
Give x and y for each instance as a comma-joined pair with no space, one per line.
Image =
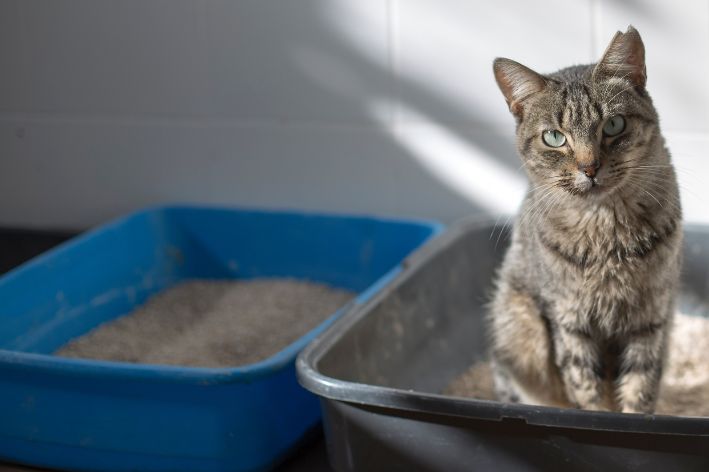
380,369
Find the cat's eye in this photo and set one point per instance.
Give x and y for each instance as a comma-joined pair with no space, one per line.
614,126
553,138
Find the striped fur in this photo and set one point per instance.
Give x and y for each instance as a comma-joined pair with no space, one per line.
585,296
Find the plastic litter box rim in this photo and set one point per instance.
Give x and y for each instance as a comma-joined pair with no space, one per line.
98,369
393,399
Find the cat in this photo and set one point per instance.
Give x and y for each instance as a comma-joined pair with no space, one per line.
584,299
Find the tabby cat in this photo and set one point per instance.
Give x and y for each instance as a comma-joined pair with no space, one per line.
585,296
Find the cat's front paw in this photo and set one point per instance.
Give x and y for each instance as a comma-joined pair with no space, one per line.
643,409
597,407
637,402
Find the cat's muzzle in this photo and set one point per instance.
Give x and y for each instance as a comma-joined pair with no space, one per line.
585,184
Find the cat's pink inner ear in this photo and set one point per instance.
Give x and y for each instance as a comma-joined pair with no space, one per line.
517,83
624,58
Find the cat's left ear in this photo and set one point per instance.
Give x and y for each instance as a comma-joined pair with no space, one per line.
624,58
517,83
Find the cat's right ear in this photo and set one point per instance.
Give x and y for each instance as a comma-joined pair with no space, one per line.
517,83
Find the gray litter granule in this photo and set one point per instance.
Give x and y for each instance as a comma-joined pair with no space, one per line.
685,383
212,323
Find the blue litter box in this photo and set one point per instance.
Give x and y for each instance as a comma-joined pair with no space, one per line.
94,415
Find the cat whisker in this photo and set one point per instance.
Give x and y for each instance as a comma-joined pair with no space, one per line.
508,220
608,88
666,179
641,185
616,95
526,215
657,186
502,230
683,171
666,172
655,173
648,193
541,204
538,201
663,166
609,83
552,204
643,169
538,215
494,227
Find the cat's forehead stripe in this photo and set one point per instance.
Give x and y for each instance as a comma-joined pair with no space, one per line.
580,110
559,117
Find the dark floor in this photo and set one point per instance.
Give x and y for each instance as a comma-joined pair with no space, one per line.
16,246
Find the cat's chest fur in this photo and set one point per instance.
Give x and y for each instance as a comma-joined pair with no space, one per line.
601,264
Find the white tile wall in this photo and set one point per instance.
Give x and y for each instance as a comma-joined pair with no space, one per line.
369,106
443,51
104,169
246,60
109,57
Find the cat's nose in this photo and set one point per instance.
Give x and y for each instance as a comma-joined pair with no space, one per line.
590,168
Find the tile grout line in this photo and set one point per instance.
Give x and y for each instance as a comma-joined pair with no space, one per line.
21,120
595,18
392,58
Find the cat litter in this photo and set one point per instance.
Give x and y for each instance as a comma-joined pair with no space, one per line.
382,369
205,323
685,383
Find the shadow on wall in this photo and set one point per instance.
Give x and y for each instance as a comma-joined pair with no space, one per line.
453,157
265,103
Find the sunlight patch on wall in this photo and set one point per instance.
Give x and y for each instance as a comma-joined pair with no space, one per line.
462,166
